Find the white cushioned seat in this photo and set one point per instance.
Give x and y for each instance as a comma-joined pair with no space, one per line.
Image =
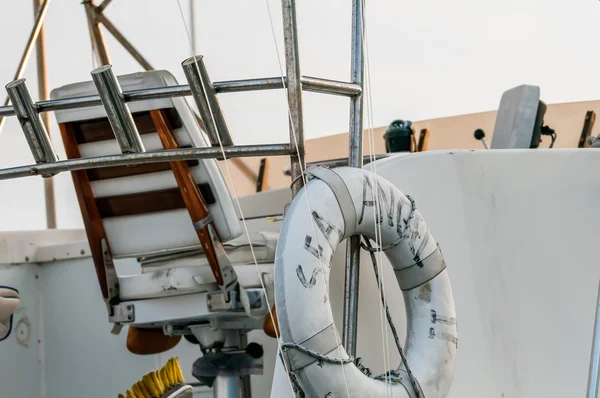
128,235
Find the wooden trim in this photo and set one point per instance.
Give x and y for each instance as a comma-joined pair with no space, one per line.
588,125
95,130
192,197
147,202
423,140
244,168
89,211
261,179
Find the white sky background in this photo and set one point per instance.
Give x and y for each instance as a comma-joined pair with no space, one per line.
428,59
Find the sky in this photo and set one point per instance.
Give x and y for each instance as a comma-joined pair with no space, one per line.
426,59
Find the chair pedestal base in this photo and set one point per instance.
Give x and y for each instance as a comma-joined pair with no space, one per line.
225,361
227,387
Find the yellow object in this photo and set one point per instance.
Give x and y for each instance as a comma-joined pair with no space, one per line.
157,383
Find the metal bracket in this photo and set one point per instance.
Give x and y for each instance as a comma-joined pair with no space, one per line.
227,272
112,280
242,324
122,314
116,314
254,303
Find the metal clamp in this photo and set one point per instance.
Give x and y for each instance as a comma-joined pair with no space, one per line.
230,279
122,313
33,127
254,302
112,280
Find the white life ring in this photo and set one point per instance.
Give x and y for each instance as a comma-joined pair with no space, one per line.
341,206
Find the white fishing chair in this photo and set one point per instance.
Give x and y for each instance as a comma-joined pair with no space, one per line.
138,212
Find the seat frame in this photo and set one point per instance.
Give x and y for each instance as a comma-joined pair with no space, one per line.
194,202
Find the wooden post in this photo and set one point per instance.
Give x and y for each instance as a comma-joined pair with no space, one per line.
261,179
423,140
588,125
89,210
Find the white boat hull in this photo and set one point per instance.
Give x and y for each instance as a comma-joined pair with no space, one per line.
518,230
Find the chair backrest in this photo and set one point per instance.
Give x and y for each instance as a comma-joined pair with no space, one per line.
139,210
519,119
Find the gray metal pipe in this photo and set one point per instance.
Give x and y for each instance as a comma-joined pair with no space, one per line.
157,93
64,103
143,158
33,127
117,111
355,159
323,86
333,87
37,28
594,372
227,387
236,86
314,84
206,99
294,92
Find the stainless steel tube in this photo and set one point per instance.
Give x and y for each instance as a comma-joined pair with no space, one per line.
334,87
33,127
351,284
594,372
206,99
65,103
308,84
145,157
117,111
355,150
235,86
314,84
294,91
227,387
156,93
355,159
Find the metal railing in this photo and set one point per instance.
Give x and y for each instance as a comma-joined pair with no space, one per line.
114,102
205,94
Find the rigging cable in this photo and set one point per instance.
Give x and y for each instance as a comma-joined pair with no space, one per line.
304,180
279,347
377,208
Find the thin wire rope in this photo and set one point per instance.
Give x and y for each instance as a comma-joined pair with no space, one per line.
303,176
404,360
236,198
376,213
378,240
377,208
